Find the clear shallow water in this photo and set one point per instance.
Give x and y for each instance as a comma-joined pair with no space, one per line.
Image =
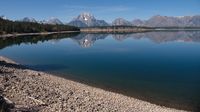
160,67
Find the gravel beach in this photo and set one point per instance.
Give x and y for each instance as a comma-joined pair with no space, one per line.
26,90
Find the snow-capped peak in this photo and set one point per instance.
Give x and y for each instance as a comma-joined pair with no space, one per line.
3,17
86,14
180,16
85,17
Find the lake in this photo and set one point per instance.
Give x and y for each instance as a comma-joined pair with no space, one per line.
159,67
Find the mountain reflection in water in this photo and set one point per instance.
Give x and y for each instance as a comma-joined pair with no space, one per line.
87,40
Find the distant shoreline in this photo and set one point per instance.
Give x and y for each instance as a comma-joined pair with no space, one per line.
103,30
134,29
33,34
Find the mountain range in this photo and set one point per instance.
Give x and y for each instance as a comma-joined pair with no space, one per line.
52,21
88,20
162,21
166,21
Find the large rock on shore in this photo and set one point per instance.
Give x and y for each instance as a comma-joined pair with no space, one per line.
5,104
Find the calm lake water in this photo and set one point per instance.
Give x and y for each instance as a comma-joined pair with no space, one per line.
160,67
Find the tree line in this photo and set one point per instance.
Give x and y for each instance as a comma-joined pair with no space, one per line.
8,27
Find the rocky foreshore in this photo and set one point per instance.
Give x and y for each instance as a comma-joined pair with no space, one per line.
22,89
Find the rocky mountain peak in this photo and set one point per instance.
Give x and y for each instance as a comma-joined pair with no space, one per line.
87,20
121,21
29,19
54,21
137,22
86,17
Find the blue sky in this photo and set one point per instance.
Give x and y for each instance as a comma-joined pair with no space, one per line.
108,10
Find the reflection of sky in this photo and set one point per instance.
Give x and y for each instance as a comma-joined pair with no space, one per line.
107,46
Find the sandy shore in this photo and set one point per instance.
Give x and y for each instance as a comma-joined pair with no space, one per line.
29,90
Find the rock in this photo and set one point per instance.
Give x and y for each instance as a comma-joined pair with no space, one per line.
5,104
